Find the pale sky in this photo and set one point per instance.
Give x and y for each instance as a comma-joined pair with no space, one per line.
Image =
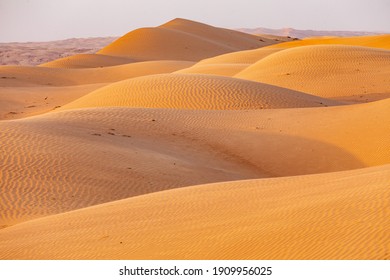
44,20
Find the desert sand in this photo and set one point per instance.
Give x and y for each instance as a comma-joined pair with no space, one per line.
35,53
187,141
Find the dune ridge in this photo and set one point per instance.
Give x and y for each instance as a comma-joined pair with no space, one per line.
83,157
329,71
87,61
194,91
228,64
192,41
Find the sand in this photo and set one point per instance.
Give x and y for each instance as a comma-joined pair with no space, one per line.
87,61
187,141
202,92
32,76
192,41
307,217
373,41
103,154
330,71
34,53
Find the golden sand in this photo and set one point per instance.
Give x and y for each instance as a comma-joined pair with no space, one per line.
187,141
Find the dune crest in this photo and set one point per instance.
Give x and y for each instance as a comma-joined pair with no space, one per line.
194,91
182,39
87,61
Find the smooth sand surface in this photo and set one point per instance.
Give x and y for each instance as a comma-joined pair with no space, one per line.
195,91
340,215
182,39
330,71
187,141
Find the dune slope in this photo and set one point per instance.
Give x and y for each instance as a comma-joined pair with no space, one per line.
327,71
229,64
194,91
72,159
87,61
181,39
340,215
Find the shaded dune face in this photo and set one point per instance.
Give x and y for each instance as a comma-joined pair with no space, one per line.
203,92
187,141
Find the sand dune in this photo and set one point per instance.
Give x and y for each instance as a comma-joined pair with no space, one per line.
30,76
298,33
229,64
77,158
194,91
228,70
241,57
327,71
375,41
182,39
87,61
107,155
330,216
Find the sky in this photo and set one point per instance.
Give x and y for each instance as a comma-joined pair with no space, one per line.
45,20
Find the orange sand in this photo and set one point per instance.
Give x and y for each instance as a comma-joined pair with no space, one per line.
187,141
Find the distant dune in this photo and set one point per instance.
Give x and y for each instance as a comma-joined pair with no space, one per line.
188,141
297,33
377,41
34,53
182,39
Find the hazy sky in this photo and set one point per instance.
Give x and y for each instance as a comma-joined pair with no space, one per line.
43,20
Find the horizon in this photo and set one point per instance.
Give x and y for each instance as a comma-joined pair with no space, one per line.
237,29
43,22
